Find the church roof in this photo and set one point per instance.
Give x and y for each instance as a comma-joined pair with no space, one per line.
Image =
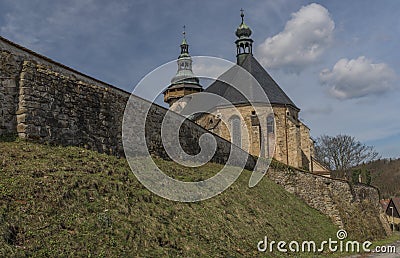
275,94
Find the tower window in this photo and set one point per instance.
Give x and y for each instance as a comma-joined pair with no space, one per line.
236,134
270,123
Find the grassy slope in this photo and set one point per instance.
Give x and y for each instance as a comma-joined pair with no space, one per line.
67,201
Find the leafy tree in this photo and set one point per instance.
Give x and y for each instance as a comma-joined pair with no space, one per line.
342,152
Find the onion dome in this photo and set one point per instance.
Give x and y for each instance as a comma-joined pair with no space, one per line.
243,31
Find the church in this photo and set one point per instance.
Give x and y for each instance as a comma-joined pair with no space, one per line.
274,131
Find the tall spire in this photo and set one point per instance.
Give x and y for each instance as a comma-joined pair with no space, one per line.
184,72
184,82
244,44
184,44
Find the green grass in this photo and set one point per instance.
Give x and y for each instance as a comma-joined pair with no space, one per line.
387,241
68,201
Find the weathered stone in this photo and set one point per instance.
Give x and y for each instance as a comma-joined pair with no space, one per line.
21,128
352,207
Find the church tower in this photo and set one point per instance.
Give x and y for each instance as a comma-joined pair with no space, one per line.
275,132
244,44
184,82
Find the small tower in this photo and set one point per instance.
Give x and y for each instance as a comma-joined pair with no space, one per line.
184,82
244,44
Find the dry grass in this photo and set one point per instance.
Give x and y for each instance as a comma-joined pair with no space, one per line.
68,201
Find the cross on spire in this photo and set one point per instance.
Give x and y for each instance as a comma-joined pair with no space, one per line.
241,13
184,44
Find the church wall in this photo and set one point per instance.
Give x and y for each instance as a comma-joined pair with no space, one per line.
215,125
281,135
294,144
306,146
287,136
251,139
288,132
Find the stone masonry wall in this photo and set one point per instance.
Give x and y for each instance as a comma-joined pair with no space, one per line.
57,108
10,68
352,207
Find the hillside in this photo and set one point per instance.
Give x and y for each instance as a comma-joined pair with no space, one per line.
385,175
68,201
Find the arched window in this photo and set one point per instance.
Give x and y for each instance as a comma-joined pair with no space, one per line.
236,134
247,48
270,135
242,48
270,123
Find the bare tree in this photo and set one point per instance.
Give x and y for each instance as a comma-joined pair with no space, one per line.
342,152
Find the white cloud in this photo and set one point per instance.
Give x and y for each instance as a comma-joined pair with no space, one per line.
357,78
305,37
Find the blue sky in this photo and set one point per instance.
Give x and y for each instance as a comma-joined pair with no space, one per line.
337,60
